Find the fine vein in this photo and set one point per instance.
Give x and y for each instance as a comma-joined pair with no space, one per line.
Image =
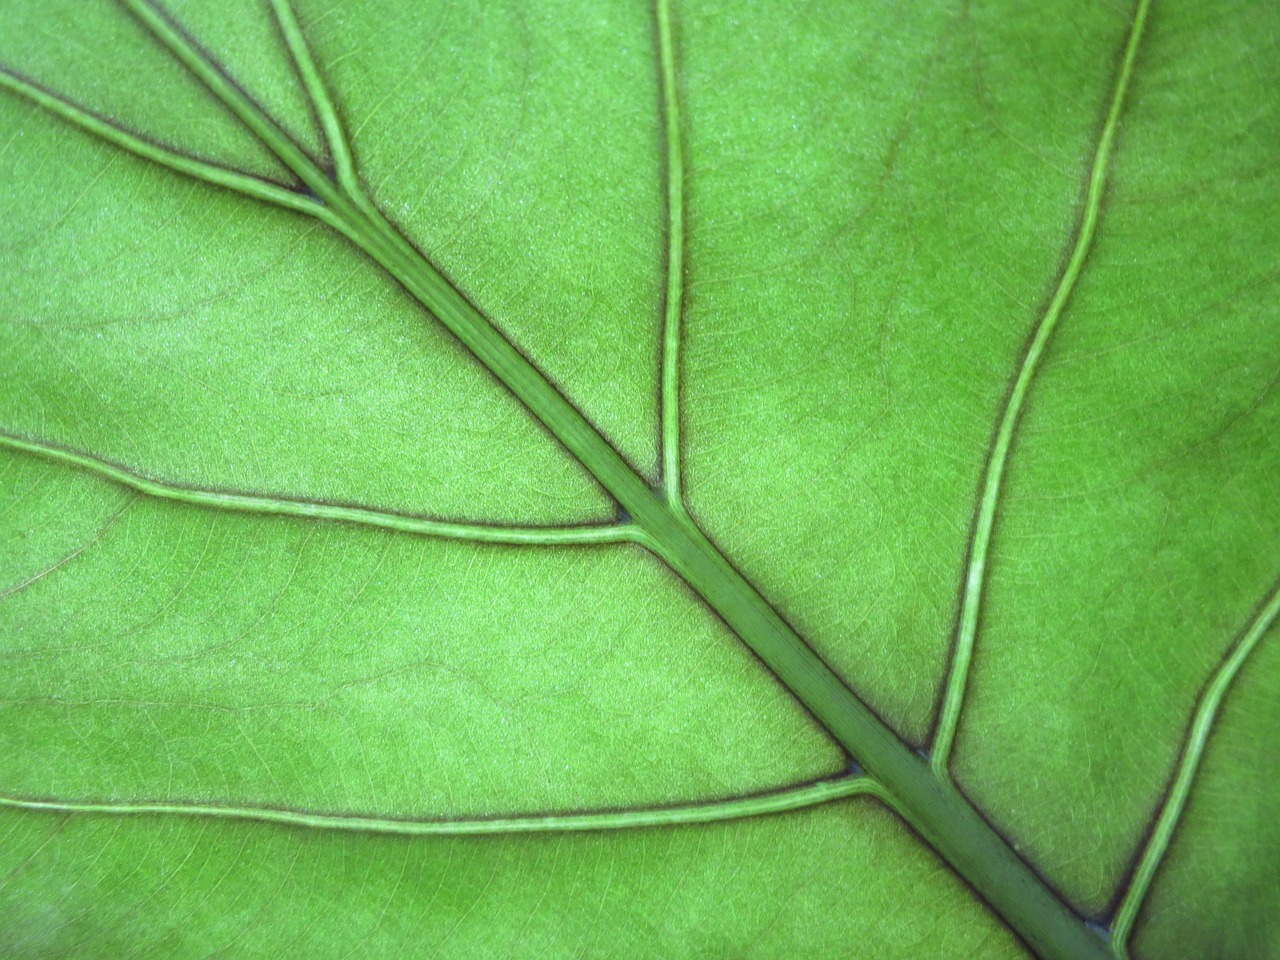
737,808
179,162
67,558
365,516
674,304
1192,753
979,549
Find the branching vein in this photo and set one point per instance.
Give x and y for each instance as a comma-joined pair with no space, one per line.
738,808
1192,753
318,95
980,546
365,516
67,558
932,806
259,123
243,183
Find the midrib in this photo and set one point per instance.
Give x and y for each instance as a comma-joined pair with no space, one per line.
942,815
929,803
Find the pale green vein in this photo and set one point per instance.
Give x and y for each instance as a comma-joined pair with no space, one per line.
941,815
738,808
318,95
178,162
365,516
979,549
674,174
1192,753
259,123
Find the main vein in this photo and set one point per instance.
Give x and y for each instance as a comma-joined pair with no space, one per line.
1175,803
941,815
998,460
737,808
673,312
280,506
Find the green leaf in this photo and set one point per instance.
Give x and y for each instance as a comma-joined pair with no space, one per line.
599,480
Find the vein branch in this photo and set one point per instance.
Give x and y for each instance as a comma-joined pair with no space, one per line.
322,103
998,460
197,169
674,297
364,516
1175,803
61,562
939,813
255,119
737,808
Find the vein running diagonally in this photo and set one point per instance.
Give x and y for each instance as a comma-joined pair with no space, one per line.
62,561
673,311
736,808
257,120
939,813
359,220
1175,803
250,186
998,459
364,516
335,136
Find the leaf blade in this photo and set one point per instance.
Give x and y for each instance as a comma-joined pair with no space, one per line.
947,39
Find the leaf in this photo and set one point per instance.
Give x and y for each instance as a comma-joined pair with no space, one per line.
952,327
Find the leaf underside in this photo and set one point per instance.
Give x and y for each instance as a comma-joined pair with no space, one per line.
285,574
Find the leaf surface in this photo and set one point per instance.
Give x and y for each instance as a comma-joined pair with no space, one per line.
230,441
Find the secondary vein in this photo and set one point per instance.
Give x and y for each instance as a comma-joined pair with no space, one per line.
997,462
189,166
737,808
1192,754
364,516
674,303
258,122
318,95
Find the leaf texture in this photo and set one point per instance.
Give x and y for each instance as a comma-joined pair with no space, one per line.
286,572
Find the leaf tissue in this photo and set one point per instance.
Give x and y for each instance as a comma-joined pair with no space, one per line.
639,480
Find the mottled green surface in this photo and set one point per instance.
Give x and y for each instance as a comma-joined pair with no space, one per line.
879,201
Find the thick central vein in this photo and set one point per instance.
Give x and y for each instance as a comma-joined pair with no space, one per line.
940,814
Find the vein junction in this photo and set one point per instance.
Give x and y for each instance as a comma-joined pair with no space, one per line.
919,790
341,204
364,516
